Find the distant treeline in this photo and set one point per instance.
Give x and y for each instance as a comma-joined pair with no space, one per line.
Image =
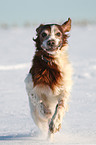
28,24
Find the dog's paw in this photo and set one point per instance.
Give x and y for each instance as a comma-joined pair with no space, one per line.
54,126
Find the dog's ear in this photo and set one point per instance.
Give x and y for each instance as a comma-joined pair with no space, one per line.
39,28
67,25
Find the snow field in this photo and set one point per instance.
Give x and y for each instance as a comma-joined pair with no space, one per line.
16,125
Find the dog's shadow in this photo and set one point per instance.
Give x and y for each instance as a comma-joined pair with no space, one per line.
20,136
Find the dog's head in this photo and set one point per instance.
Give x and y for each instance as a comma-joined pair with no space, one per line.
52,36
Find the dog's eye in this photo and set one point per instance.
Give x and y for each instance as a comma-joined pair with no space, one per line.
58,34
44,34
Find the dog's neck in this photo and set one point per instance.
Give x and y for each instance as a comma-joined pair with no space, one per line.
46,60
51,58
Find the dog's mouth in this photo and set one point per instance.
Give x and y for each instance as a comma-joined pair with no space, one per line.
52,48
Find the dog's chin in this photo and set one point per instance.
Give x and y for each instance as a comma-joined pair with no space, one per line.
50,49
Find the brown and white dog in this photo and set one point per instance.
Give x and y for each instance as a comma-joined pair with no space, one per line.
48,83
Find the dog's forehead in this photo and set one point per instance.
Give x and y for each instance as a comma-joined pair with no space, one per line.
51,27
54,28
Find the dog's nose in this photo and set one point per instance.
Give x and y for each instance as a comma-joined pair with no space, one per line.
51,43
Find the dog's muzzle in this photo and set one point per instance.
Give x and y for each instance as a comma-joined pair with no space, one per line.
51,43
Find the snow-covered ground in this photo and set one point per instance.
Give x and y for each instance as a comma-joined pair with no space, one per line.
16,125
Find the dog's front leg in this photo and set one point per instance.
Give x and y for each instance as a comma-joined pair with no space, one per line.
55,123
43,111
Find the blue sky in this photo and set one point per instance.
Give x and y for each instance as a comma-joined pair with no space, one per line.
45,11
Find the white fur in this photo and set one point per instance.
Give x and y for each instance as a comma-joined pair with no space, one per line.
53,36
45,94
54,29
35,104
44,44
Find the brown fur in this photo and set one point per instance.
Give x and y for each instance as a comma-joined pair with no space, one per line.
49,82
45,73
42,72
42,27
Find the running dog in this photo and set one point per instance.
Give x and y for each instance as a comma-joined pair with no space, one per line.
49,80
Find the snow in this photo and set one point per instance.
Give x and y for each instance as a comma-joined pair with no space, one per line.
79,123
